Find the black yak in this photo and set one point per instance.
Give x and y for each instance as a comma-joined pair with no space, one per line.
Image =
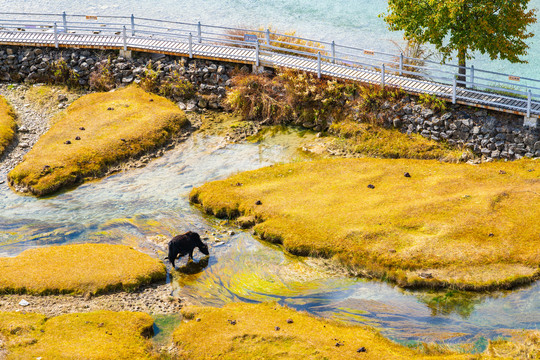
181,245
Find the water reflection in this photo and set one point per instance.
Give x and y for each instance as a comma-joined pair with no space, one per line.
145,207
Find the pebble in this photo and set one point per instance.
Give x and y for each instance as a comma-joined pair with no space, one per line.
24,303
371,186
78,138
277,328
407,175
258,202
362,349
290,321
67,142
110,108
82,128
232,322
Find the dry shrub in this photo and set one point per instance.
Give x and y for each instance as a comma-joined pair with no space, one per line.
290,95
287,40
102,79
61,74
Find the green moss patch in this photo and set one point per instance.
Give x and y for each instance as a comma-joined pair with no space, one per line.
447,225
97,335
78,269
95,133
7,124
269,331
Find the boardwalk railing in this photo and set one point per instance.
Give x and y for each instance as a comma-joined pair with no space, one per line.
481,88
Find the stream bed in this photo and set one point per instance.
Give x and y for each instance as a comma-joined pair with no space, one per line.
138,206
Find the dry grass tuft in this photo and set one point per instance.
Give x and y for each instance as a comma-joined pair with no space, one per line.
7,124
448,225
254,336
117,126
78,269
377,141
97,335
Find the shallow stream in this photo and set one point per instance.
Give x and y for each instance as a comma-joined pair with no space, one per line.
141,206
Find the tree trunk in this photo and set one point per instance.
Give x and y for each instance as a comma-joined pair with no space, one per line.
462,62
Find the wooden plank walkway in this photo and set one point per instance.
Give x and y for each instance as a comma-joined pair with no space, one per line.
177,47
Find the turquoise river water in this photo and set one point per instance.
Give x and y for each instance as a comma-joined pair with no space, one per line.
140,205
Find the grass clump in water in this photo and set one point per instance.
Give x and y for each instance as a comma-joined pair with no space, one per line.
270,331
7,124
447,225
78,269
97,335
95,133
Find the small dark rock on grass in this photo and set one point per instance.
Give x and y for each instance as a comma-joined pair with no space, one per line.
67,142
371,186
362,349
407,175
258,202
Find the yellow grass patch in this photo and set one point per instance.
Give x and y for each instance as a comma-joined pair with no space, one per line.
78,269
448,225
97,335
7,124
255,336
117,125
377,141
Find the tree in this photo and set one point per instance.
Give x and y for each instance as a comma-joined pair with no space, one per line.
494,27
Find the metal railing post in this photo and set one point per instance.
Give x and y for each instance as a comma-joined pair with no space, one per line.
454,91
199,32
64,21
529,103
125,38
55,36
401,64
319,64
383,76
257,59
132,25
333,52
267,36
190,46
472,76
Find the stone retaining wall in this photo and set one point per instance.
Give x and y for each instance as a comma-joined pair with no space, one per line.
501,137
492,137
25,64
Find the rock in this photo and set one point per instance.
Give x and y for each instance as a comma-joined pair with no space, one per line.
397,122
127,80
371,186
77,138
361,350
290,321
23,129
67,142
277,328
82,128
426,275
24,303
181,105
232,322
491,235
407,175
258,202
110,108
338,344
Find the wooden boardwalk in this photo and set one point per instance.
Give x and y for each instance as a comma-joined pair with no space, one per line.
493,101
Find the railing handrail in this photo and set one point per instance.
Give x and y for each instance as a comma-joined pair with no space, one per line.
273,43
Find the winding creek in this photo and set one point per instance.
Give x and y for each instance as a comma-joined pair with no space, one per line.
138,206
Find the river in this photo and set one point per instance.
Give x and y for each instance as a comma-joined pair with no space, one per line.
138,205
349,22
